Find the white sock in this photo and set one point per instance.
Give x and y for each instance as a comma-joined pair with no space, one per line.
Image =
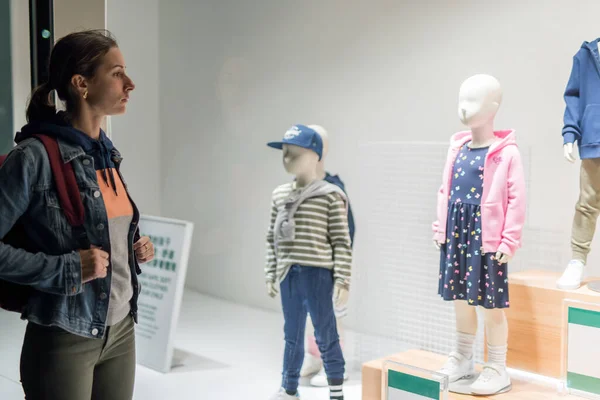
497,355
464,344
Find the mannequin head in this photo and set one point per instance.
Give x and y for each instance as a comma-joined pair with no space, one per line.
479,100
299,161
325,139
302,150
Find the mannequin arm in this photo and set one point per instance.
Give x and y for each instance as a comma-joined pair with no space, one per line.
502,258
340,295
436,224
442,201
515,212
271,265
340,241
571,131
568,152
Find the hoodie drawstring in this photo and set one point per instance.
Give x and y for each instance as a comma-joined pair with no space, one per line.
104,155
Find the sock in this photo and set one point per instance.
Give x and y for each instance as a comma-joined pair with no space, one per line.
464,344
335,389
497,355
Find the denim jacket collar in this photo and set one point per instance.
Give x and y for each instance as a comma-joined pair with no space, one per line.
70,151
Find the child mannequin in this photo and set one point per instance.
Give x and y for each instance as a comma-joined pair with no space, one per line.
308,252
481,212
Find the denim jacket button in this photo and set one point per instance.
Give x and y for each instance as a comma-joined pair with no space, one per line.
102,296
97,194
86,162
94,331
100,227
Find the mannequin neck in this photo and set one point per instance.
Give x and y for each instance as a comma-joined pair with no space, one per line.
303,180
483,136
321,170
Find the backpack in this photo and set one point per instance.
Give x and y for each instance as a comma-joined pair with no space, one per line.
14,297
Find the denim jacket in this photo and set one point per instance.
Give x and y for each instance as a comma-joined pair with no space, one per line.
49,262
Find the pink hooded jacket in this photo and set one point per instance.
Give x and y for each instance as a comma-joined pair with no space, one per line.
503,199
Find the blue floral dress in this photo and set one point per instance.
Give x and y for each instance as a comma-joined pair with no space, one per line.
466,273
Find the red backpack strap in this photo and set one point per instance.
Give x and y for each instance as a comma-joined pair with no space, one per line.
66,184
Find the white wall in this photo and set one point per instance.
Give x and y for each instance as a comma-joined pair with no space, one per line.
77,15
21,68
234,75
137,133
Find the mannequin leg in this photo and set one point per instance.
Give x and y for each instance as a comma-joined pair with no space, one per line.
496,330
311,344
586,210
494,378
294,313
460,363
466,328
320,308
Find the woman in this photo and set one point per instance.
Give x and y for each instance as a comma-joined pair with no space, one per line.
79,343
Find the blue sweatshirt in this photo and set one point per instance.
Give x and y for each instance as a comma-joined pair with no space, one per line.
582,98
334,179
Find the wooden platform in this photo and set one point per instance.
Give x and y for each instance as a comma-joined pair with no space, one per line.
372,383
535,321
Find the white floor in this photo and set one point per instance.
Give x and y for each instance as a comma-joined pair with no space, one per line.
229,352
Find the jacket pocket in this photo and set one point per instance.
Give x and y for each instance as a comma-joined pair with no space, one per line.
54,218
590,125
492,221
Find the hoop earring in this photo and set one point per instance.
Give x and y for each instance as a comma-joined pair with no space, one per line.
85,95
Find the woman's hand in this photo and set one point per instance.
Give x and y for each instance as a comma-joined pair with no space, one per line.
144,250
94,264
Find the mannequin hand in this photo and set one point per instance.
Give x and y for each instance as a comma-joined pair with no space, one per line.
437,244
502,258
568,151
340,295
272,289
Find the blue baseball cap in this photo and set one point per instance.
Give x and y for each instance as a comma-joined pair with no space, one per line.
302,136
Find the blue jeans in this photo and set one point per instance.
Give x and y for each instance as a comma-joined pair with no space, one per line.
309,289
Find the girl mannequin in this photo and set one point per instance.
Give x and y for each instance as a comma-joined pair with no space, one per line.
481,212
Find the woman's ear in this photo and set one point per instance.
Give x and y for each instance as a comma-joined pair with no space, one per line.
80,84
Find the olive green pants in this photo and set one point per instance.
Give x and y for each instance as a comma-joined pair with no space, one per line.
586,210
57,365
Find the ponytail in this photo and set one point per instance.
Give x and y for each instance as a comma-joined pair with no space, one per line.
40,106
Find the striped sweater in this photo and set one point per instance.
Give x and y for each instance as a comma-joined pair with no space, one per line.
322,237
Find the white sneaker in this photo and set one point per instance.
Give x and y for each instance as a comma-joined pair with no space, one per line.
571,278
493,380
311,365
282,395
320,380
458,367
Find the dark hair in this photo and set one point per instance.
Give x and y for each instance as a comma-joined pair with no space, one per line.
77,53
